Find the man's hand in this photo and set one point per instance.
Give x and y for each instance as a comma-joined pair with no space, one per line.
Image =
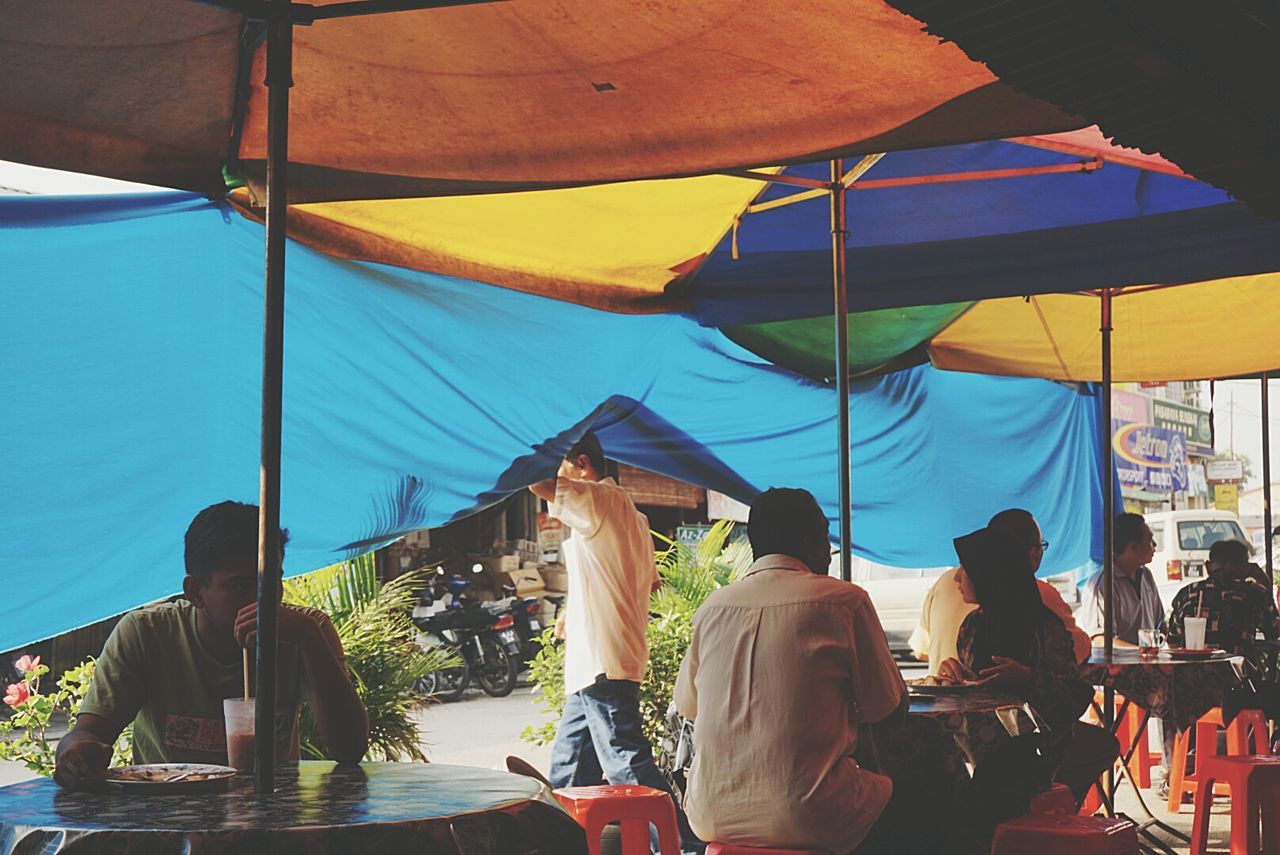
953,671
82,765
1005,672
560,626
292,627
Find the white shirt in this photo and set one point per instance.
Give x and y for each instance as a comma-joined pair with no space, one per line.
1134,610
944,610
609,559
782,668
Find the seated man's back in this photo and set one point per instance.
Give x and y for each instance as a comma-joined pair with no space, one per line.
783,666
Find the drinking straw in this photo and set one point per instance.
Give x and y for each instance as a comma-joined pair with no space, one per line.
245,651
1199,612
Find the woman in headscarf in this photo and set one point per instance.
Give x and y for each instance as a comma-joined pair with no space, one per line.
1013,644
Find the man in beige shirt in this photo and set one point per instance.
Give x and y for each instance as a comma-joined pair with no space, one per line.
944,609
783,667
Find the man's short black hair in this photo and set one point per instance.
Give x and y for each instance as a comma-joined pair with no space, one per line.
1129,529
1233,552
590,446
224,535
781,520
1016,526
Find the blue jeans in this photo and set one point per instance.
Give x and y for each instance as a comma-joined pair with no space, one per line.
600,741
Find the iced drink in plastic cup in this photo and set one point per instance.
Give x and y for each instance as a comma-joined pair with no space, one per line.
1194,628
239,715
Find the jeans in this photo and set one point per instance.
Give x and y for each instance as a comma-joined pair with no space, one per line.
600,741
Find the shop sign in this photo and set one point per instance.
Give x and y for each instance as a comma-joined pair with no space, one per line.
1193,424
1219,471
1226,497
1130,408
1150,458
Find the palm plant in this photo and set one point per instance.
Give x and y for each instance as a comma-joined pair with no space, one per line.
373,622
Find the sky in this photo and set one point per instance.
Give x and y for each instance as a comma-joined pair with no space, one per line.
34,179
1237,421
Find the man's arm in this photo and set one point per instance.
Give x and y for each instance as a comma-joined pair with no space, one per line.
544,489
116,693
85,752
340,715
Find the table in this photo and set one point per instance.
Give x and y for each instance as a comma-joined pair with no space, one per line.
976,720
318,807
1177,691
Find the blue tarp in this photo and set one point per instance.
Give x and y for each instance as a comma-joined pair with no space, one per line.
948,242
131,339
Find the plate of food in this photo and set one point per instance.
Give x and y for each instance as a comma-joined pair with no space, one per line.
172,778
932,686
1194,653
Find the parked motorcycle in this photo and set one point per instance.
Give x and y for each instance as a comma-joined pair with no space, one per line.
518,625
451,620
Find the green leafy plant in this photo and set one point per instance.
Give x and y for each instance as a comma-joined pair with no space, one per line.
689,576
373,622
24,735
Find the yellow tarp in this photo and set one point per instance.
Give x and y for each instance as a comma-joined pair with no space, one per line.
1223,328
619,247
503,96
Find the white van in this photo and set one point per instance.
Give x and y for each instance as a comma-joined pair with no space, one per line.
1183,539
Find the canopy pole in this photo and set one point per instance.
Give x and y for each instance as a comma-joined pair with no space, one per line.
1266,476
279,78
1108,533
839,231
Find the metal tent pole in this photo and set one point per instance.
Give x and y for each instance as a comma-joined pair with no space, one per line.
1108,532
1266,475
839,231
278,80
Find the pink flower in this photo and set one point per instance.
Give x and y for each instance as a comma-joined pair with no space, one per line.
16,694
26,664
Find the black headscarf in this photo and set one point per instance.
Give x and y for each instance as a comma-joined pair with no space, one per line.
1005,585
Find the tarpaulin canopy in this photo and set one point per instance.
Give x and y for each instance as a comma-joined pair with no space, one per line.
490,97
131,332
1195,82
1061,213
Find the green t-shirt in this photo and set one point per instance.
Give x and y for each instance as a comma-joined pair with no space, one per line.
155,670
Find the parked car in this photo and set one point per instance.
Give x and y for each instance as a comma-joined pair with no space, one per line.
1182,540
897,595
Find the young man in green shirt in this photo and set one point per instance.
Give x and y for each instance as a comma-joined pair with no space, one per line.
167,668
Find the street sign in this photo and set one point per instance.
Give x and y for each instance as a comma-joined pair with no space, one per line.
1220,471
1192,423
1226,497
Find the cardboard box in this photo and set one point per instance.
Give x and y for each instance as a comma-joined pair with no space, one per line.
528,582
556,579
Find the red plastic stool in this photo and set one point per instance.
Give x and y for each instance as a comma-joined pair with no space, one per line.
633,806
1065,835
730,849
1247,723
1255,795
1056,799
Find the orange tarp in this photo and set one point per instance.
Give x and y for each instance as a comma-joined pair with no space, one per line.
504,96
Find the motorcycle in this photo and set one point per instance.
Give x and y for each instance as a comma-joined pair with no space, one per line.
518,625
452,621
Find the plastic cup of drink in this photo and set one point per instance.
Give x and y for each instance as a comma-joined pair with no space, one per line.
1149,641
239,716
1194,627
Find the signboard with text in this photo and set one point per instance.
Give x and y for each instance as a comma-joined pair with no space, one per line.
1218,471
1193,424
1226,497
1150,458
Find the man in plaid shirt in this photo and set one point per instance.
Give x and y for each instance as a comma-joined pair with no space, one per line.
1237,608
